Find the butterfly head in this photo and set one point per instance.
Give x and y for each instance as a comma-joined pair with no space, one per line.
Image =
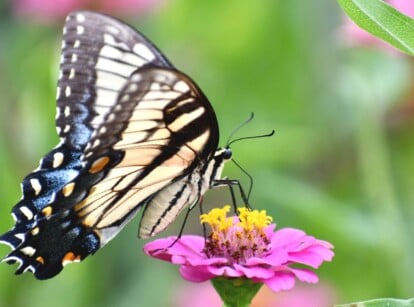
223,155
216,164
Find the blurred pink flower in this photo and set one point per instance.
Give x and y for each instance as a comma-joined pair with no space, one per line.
204,295
47,11
354,35
321,295
196,295
245,246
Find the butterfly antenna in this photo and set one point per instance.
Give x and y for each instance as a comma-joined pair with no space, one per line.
252,137
180,233
238,128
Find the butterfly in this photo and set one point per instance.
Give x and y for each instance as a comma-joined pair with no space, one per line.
135,133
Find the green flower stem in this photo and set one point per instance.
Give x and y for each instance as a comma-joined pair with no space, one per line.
236,292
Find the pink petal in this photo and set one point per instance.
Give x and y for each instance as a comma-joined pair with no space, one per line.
311,258
189,246
306,258
207,261
309,242
224,271
280,281
157,249
254,272
305,275
178,259
313,255
195,274
274,258
287,237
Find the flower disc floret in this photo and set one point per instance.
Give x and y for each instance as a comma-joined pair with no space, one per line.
236,238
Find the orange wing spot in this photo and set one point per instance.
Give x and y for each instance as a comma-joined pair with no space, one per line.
70,257
68,189
40,259
47,211
98,165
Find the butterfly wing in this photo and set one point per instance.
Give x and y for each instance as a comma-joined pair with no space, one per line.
160,129
99,53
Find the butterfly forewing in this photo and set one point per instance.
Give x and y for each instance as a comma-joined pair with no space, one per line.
99,53
163,127
134,133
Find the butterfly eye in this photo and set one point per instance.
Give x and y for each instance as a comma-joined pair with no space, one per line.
227,154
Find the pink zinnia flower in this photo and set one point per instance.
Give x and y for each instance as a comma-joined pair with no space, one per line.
246,246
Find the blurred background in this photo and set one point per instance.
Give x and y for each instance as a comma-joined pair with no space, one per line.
340,165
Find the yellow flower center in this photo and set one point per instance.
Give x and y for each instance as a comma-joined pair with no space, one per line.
236,238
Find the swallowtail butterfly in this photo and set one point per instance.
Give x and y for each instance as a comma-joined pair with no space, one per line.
135,133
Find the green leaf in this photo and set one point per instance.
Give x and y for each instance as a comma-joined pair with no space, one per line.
388,302
383,21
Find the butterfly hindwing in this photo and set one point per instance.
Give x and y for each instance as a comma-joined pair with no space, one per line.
39,190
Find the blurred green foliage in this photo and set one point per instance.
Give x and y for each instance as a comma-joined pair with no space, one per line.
339,167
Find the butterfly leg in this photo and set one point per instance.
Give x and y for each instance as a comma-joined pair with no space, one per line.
233,198
187,214
203,224
230,183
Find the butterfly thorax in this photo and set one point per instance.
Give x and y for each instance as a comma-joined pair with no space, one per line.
186,191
